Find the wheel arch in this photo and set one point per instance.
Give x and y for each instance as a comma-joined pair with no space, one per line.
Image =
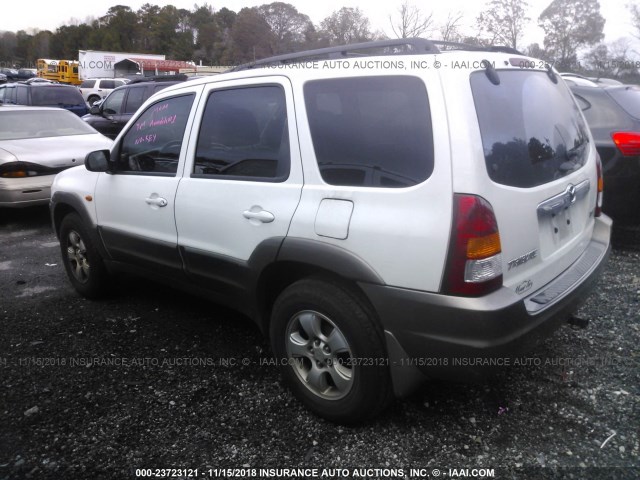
64,203
302,258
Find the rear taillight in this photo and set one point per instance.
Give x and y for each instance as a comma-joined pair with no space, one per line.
627,142
474,262
598,210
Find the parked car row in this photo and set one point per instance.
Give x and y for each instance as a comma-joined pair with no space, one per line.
16,75
112,114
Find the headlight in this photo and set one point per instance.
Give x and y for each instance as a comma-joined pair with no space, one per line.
26,169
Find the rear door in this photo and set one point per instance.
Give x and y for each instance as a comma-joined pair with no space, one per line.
242,181
538,172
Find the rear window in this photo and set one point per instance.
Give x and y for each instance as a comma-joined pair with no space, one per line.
371,131
532,130
56,96
628,98
20,124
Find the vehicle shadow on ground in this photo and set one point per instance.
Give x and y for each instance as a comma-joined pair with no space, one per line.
12,219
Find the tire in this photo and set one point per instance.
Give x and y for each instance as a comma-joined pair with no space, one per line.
84,265
331,351
93,99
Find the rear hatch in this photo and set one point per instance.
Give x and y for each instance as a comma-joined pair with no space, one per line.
540,165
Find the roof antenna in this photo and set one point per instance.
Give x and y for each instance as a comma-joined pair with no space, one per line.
490,71
551,74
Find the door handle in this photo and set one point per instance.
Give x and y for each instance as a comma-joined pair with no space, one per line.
261,216
157,201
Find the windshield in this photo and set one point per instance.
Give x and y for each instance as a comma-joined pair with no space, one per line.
40,124
532,130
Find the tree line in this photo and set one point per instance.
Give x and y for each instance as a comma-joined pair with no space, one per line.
573,33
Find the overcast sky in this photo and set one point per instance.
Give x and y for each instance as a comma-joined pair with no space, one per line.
50,14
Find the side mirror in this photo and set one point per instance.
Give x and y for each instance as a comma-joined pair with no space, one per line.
98,161
94,110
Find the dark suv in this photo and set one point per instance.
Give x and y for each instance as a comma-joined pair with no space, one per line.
613,115
114,112
44,95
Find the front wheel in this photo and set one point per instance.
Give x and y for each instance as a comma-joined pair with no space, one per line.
82,261
331,350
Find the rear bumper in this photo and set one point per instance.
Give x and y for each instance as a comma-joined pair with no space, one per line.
437,336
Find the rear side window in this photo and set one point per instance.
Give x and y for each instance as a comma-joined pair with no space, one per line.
22,95
10,94
244,135
371,131
628,98
55,96
532,131
135,98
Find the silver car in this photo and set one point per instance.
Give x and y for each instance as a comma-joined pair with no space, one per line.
35,144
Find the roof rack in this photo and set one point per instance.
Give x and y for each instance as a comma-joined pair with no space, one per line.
178,77
400,46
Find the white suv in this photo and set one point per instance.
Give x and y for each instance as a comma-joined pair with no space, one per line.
383,219
95,89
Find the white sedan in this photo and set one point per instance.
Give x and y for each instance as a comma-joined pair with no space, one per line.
35,144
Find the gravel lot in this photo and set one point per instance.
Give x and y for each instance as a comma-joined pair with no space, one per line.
156,379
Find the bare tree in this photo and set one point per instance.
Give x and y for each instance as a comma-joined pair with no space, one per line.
450,29
504,21
634,9
412,22
345,26
287,24
569,25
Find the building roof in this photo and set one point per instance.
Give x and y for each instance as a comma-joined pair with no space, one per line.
160,65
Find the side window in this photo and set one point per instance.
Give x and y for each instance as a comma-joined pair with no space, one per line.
371,131
582,103
88,84
161,86
152,145
244,135
135,98
113,103
10,95
604,112
108,84
22,95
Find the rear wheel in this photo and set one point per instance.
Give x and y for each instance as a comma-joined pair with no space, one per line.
84,265
331,350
